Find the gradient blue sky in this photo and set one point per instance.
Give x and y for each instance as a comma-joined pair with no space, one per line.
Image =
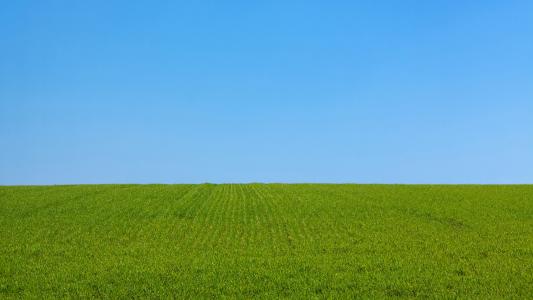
270,91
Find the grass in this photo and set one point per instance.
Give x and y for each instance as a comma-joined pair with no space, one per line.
266,241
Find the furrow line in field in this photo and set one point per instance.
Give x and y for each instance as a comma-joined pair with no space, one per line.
209,237
224,214
217,210
241,215
280,218
242,223
295,202
299,216
198,219
336,196
255,227
234,213
173,198
267,219
183,212
252,207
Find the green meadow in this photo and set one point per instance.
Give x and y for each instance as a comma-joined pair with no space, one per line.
266,241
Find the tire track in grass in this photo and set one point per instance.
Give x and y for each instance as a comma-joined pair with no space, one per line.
151,202
148,209
280,235
245,231
332,212
291,204
251,228
286,211
190,202
181,212
173,199
308,232
194,212
255,226
332,208
208,238
298,215
229,217
217,234
239,216
274,212
266,221
224,217
217,211
162,210
273,216
233,214
264,217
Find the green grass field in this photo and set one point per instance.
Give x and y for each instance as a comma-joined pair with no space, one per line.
266,241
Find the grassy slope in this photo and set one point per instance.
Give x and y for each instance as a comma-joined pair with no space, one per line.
266,241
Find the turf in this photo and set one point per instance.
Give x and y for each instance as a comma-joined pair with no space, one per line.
266,241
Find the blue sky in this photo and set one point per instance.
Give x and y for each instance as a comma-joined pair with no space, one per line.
271,91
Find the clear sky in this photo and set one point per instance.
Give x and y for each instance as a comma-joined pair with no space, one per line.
270,91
